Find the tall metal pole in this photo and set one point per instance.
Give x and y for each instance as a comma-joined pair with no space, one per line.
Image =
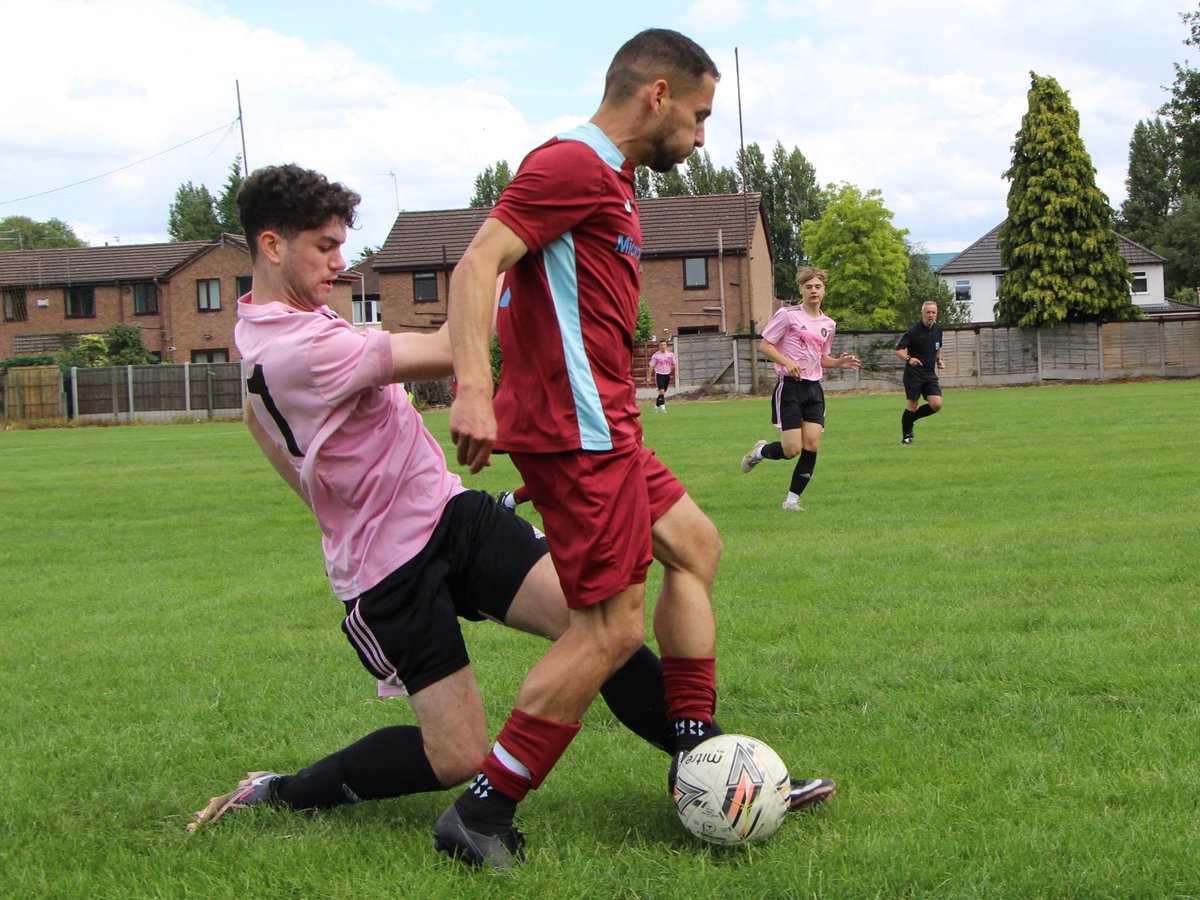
242,126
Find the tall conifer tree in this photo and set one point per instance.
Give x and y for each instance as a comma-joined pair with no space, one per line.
1057,243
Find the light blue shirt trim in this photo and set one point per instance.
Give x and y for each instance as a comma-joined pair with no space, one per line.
589,134
559,259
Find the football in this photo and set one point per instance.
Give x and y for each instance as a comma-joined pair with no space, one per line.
731,789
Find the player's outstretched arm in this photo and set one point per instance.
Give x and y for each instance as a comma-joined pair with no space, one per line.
421,356
472,305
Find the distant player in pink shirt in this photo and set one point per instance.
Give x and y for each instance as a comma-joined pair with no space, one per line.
798,340
663,364
407,549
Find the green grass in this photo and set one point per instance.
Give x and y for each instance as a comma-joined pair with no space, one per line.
988,638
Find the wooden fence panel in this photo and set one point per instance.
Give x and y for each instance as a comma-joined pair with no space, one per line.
33,392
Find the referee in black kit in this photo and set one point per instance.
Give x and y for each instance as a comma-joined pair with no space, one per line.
920,348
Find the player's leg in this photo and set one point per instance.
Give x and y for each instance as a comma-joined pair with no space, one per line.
445,749
510,500
786,415
688,546
604,581
912,395
812,424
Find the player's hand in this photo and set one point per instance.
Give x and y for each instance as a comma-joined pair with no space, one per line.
794,369
849,361
913,359
940,364
473,430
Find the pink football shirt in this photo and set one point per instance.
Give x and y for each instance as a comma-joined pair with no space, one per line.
373,475
801,337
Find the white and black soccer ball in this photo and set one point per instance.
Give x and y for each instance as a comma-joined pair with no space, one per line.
732,789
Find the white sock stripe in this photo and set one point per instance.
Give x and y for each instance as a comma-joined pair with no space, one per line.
509,761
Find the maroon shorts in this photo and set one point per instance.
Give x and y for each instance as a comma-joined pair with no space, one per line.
597,510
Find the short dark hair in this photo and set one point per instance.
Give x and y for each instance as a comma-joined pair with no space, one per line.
655,53
289,199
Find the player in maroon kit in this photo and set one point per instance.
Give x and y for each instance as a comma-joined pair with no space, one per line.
566,233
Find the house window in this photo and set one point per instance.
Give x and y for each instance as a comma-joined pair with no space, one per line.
1140,283
368,312
216,355
14,305
243,285
81,302
145,299
208,294
962,290
695,273
425,287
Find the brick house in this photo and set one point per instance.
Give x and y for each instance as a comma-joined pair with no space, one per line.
706,264
180,294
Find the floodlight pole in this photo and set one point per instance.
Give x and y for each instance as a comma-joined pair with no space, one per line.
242,127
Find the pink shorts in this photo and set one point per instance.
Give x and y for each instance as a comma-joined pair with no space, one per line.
597,509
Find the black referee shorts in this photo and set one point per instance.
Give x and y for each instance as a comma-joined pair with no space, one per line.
471,568
920,384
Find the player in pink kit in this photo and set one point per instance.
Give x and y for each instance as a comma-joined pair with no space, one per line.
798,340
663,364
407,549
566,233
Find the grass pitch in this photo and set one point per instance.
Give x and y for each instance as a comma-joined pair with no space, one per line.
988,638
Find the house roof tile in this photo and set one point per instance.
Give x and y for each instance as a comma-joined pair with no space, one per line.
671,226
102,265
984,255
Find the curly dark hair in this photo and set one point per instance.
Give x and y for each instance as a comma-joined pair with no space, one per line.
289,199
656,53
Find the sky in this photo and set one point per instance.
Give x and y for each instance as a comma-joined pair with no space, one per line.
110,105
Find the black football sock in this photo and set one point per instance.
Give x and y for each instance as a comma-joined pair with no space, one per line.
803,471
389,762
924,411
691,732
634,693
483,808
772,451
906,422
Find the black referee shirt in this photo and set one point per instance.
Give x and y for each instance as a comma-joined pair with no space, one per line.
923,343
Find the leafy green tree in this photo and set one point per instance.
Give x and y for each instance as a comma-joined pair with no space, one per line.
669,184
792,198
1057,244
642,186
643,329
1152,185
86,352
855,241
923,284
1183,112
365,252
23,233
193,215
1178,240
489,183
703,178
124,347
226,206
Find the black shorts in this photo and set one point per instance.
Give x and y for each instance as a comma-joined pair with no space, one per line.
918,383
663,381
796,401
471,568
